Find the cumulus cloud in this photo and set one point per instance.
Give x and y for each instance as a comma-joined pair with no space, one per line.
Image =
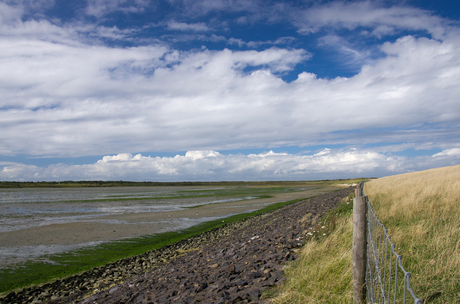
75,100
194,165
209,165
448,153
278,60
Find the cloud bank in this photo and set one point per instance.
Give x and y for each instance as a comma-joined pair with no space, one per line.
213,166
77,88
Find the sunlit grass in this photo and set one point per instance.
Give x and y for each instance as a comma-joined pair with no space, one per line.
421,212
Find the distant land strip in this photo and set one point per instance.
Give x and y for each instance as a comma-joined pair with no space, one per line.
77,184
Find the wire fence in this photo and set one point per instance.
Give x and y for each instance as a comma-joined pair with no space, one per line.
386,279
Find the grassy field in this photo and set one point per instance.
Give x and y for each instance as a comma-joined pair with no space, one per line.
421,212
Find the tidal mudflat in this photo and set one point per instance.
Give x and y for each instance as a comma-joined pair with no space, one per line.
35,223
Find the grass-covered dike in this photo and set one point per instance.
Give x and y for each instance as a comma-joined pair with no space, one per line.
421,212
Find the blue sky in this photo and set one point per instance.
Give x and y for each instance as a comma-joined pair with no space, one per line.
179,90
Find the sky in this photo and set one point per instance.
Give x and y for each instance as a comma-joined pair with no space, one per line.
212,90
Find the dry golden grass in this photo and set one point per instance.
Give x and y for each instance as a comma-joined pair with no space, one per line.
324,273
421,211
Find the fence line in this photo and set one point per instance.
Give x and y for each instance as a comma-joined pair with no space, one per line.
382,263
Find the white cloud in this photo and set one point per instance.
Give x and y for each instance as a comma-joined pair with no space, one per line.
201,154
380,20
21,172
100,8
209,165
448,153
109,32
255,44
55,94
66,94
203,7
13,10
348,54
120,158
9,14
7,163
182,26
152,98
278,60
267,154
230,41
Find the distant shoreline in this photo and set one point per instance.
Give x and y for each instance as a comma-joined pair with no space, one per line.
81,184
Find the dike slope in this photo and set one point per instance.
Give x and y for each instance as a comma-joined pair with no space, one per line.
231,264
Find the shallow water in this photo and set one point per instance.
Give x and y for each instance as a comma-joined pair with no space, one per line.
11,255
26,212
26,208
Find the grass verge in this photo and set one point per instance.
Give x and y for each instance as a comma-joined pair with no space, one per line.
421,212
323,273
71,263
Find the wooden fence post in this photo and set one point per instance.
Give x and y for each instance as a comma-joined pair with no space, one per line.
359,247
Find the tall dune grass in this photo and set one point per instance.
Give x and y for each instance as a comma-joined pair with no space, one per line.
421,211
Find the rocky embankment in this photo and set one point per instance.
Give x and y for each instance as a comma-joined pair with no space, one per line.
231,264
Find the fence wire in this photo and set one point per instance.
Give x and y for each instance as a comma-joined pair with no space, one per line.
383,279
